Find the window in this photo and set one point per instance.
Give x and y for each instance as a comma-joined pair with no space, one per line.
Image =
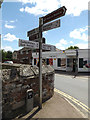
27,51
80,62
47,61
51,61
68,60
85,62
21,52
59,62
34,61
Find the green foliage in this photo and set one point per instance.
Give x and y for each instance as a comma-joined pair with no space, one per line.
1,1
6,55
73,47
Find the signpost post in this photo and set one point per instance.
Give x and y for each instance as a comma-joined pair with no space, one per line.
40,62
51,16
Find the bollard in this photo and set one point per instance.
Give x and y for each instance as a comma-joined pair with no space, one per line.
29,100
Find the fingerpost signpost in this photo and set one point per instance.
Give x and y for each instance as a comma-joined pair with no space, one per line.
49,17
36,35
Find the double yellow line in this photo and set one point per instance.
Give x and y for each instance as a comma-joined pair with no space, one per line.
83,106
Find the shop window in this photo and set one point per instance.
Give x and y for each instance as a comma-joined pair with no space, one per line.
47,61
85,62
63,62
34,61
51,61
59,62
80,62
68,61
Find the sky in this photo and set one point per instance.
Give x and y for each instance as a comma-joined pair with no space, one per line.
20,16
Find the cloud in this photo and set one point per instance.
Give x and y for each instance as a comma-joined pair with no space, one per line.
21,9
61,44
27,1
62,41
9,26
7,48
79,34
82,45
71,42
12,21
75,7
10,37
45,6
41,7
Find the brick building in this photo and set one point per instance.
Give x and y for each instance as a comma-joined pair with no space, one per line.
23,56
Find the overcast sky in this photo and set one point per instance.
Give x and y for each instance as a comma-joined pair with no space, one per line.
23,15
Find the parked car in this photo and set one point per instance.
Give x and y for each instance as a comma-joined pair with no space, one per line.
11,62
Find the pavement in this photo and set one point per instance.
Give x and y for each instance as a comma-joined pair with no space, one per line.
55,107
79,74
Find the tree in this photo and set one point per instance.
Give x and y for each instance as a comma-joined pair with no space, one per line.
9,55
3,55
1,1
73,47
76,47
6,55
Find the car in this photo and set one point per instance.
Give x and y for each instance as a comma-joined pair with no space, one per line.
10,62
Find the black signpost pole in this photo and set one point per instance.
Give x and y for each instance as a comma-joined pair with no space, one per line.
40,62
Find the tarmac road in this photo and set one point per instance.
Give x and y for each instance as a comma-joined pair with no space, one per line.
75,87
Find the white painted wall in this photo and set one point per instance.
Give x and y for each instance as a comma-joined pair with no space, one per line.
82,53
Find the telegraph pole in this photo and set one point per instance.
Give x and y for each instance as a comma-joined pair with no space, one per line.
40,62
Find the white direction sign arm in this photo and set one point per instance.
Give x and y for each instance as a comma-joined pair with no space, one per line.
51,25
46,27
35,45
30,44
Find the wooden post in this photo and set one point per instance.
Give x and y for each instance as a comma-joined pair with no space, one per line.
40,62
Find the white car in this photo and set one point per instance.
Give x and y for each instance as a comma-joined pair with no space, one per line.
11,62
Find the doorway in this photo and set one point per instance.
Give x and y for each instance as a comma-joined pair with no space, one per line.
74,64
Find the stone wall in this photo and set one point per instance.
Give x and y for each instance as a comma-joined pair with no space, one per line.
17,79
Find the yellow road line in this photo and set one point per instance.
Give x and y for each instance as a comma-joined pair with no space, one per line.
73,99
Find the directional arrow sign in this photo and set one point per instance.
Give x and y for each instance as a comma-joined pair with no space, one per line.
33,34
54,15
35,45
48,47
30,44
51,25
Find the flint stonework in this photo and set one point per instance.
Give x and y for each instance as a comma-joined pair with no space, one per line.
16,80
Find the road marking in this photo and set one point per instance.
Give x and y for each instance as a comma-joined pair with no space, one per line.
83,106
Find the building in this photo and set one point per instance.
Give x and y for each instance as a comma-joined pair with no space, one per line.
68,60
23,56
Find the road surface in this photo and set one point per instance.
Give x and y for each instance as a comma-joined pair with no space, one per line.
75,87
